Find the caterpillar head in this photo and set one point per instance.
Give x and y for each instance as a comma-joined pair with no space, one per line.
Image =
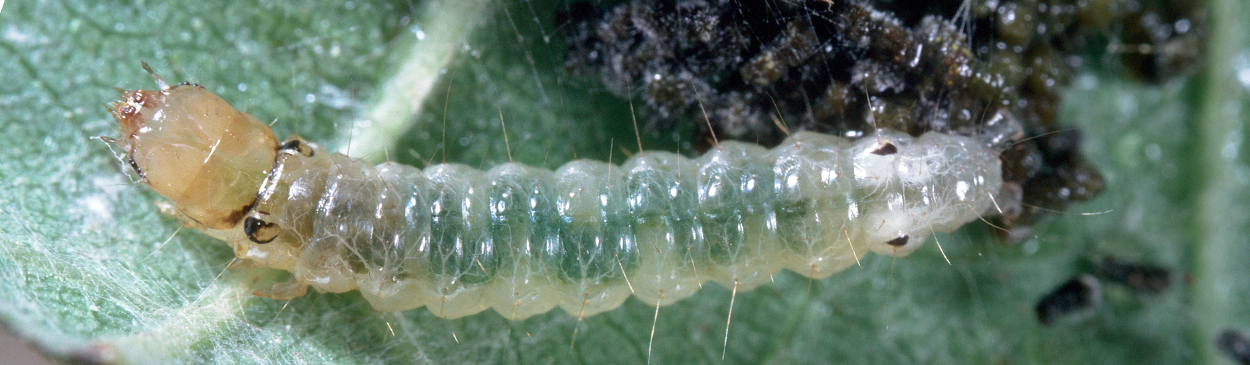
190,146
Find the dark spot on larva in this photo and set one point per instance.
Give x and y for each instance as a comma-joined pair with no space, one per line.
135,166
297,146
1080,294
238,214
898,242
1234,344
1141,277
886,149
260,231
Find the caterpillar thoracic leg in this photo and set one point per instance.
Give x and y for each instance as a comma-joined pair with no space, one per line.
523,240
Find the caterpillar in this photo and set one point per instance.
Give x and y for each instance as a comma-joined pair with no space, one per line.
523,240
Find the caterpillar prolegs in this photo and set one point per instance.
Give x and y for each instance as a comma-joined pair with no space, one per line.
523,240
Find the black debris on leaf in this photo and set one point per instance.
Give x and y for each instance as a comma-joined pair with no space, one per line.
1234,344
992,69
1077,296
1141,277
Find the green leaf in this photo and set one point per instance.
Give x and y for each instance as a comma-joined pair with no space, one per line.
91,269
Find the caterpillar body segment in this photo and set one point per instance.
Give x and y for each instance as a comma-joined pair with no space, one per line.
523,240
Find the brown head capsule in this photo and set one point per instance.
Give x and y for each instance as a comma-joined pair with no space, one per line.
190,146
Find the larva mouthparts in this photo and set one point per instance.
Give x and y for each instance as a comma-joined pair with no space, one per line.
523,240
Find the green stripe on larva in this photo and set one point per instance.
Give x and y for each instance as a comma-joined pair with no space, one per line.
523,240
